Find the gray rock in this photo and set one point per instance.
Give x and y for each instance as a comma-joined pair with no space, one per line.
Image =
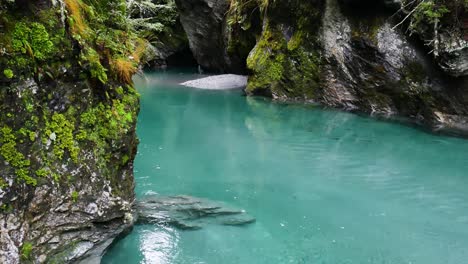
218,82
453,56
188,213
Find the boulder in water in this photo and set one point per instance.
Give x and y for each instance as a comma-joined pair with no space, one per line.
218,82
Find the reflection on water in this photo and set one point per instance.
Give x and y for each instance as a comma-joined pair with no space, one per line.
324,186
158,245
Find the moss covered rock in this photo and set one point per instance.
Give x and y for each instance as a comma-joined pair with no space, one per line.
67,127
286,61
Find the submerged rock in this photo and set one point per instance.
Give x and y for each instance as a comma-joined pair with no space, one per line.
189,213
218,82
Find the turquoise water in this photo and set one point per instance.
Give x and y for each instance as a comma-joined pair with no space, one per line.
325,186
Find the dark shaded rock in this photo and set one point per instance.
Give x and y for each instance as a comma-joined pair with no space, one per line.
188,213
210,36
372,4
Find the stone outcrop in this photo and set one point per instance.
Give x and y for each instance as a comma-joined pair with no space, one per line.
67,130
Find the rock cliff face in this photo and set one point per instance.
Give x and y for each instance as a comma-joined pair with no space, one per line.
349,55
216,44
67,128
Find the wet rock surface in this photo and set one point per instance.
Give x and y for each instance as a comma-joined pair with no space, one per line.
188,213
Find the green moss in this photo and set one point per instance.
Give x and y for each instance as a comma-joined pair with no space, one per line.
32,136
284,68
26,251
285,63
266,60
74,196
8,73
42,172
296,40
32,39
60,130
103,120
3,183
125,159
6,208
15,158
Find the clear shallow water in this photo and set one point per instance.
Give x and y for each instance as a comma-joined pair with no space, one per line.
325,186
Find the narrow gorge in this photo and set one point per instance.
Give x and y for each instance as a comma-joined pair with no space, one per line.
75,181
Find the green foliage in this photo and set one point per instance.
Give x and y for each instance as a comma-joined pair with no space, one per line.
15,158
104,36
74,196
26,251
150,18
8,73
96,69
32,39
428,12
